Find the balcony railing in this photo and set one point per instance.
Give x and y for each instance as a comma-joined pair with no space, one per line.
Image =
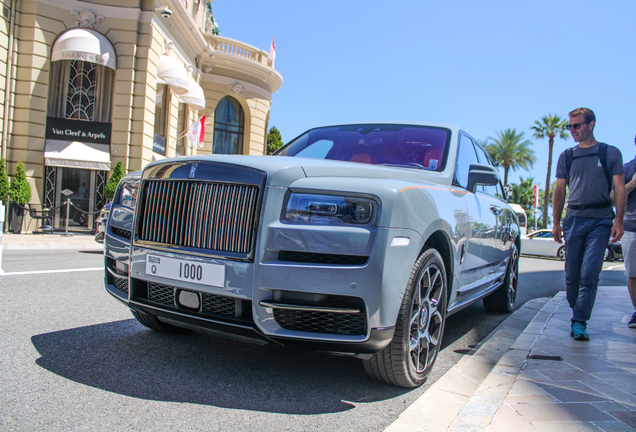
239,49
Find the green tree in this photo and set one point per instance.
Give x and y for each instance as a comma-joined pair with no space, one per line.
523,193
4,182
274,140
549,127
511,151
19,189
113,181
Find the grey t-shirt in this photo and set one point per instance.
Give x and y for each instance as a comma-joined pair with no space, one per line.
629,222
587,182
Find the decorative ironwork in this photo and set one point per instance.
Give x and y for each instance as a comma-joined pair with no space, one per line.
80,100
100,185
50,180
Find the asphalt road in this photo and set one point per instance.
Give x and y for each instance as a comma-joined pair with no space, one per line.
73,358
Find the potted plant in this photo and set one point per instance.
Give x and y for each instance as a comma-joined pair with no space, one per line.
4,190
113,181
19,195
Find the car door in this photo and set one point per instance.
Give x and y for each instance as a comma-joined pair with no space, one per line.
541,243
504,217
481,253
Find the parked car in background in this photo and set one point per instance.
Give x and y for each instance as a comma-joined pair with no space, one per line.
356,239
541,243
100,223
614,251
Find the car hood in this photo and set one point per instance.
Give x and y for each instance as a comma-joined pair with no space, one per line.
284,171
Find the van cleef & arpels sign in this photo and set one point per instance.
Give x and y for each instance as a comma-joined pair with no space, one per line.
78,130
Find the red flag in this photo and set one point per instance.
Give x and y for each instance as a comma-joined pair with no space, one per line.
272,51
536,196
196,132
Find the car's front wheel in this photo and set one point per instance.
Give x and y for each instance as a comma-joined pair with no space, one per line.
609,254
503,299
409,358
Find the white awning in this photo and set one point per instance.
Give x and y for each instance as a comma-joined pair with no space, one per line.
84,44
170,71
195,97
75,154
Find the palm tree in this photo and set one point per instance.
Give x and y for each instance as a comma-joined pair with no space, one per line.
523,193
549,126
511,151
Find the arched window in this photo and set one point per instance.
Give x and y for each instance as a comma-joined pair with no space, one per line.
229,125
81,90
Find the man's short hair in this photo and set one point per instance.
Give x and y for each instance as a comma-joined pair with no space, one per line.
587,114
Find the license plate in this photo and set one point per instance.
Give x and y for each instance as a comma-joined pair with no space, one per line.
186,271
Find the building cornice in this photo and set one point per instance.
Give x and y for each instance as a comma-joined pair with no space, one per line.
116,12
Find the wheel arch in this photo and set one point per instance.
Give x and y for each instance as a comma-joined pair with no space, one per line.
440,241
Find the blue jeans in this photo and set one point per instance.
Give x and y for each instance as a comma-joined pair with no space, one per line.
585,243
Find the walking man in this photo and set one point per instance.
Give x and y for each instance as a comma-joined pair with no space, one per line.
588,170
629,239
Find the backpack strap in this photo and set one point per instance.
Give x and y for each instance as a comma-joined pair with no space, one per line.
602,155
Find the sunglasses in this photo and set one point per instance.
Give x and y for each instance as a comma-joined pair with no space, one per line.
575,126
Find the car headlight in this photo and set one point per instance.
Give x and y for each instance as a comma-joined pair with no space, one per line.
315,209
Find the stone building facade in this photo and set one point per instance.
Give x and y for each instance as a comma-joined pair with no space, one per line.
87,84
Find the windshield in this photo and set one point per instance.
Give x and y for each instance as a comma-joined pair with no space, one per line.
422,147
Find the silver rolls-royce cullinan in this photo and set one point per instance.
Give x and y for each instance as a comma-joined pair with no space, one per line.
356,239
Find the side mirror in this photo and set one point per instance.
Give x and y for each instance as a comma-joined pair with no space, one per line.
481,174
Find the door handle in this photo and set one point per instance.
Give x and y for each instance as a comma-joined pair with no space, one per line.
495,209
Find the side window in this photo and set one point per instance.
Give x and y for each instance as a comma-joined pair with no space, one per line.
484,159
465,157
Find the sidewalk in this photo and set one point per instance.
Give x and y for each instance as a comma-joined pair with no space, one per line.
545,380
79,241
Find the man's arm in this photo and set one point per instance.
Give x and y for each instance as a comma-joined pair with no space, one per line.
619,201
558,201
629,187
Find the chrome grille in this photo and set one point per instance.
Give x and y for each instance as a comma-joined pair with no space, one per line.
214,216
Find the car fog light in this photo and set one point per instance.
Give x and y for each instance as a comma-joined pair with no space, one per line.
122,267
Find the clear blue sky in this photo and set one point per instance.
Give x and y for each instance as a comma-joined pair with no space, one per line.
483,65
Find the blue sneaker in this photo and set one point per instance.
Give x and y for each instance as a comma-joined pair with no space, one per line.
632,322
579,332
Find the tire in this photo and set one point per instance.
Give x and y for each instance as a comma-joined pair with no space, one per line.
503,299
561,253
409,358
609,254
153,323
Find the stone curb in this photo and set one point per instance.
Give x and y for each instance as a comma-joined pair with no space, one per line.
482,406
449,401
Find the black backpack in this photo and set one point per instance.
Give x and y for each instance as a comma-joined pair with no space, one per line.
602,155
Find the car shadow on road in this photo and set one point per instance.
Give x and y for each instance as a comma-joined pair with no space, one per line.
125,358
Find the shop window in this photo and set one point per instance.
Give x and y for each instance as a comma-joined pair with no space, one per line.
182,125
229,125
161,110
